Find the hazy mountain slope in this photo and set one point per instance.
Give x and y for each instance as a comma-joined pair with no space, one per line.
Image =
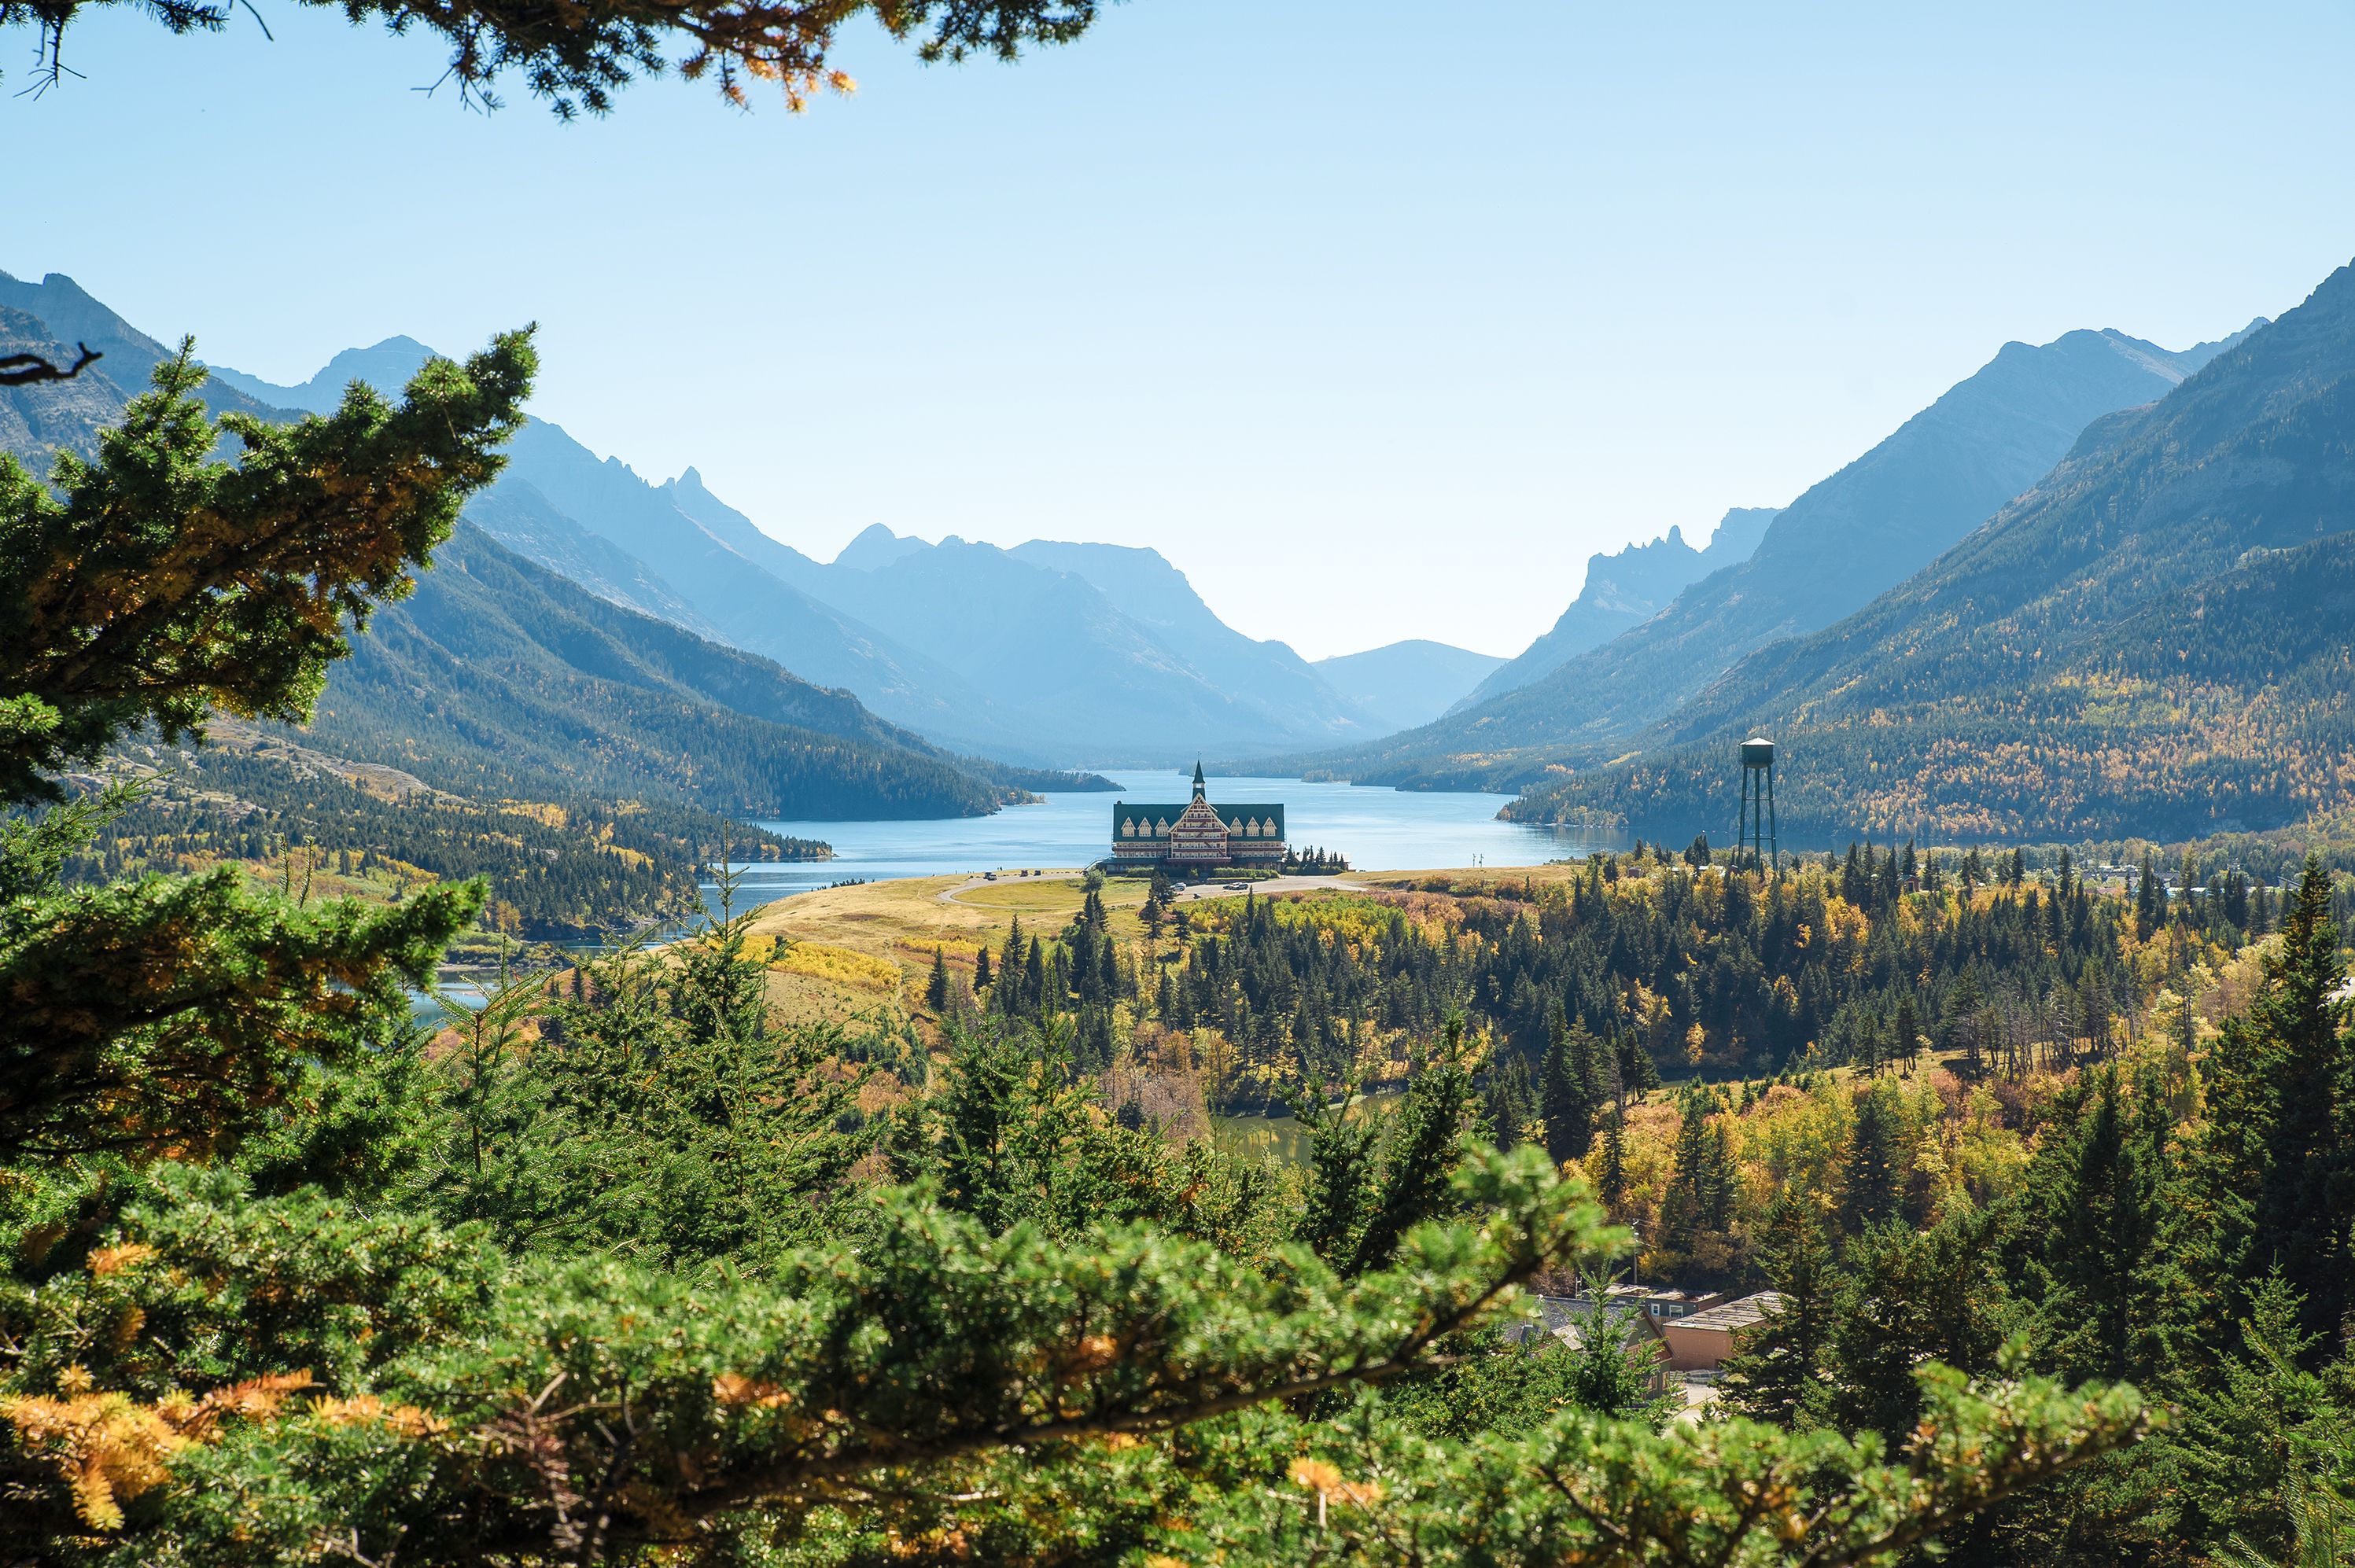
1407,684
1080,675
1297,700
499,676
1625,589
1849,538
876,548
518,515
386,366
2105,654
739,534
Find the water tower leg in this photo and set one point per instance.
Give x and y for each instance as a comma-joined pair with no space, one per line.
1742,822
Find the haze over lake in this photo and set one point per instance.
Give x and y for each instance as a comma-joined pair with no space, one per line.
1377,829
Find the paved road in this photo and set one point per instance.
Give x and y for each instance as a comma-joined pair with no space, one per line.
1184,895
1272,884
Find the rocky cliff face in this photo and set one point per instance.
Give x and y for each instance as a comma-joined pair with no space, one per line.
1625,589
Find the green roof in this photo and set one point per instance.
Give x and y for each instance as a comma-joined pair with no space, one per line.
1228,812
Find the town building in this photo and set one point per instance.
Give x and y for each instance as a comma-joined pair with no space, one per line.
1574,1320
1197,835
1702,1340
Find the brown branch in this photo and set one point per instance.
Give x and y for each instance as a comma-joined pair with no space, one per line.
24,369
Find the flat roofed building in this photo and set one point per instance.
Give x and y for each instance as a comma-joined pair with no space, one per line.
1661,1303
1704,1339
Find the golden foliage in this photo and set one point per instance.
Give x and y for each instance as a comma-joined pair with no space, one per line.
736,1390
843,966
367,1409
110,1449
108,1260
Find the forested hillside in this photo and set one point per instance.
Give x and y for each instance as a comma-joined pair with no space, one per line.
1850,536
498,677
317,827
2154,640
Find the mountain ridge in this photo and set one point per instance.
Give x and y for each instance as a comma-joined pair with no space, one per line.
1625,588
1031,668
2104,652
1852,534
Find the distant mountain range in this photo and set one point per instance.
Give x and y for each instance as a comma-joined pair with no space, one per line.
1405,685
2099,587
1849,537
1049,652
2157,639
501,679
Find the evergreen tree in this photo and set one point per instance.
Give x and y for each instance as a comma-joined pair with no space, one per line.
2260,1439
1341,1174
1939,1295
1680,1218
1704,1184
1506,1103
2276,1167
1611,1183
1778,1374
1010,957
1419,1153
936,989
1569,1090
1034,980
981,968
1636,1070
2098,1195
151,586
2150,899
1870,1192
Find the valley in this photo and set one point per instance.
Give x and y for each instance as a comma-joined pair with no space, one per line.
757,978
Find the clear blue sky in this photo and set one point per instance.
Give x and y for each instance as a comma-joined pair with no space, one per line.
1375,326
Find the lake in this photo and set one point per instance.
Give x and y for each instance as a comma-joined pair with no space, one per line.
1377,829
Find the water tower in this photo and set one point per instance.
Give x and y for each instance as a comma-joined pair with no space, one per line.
1756,826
